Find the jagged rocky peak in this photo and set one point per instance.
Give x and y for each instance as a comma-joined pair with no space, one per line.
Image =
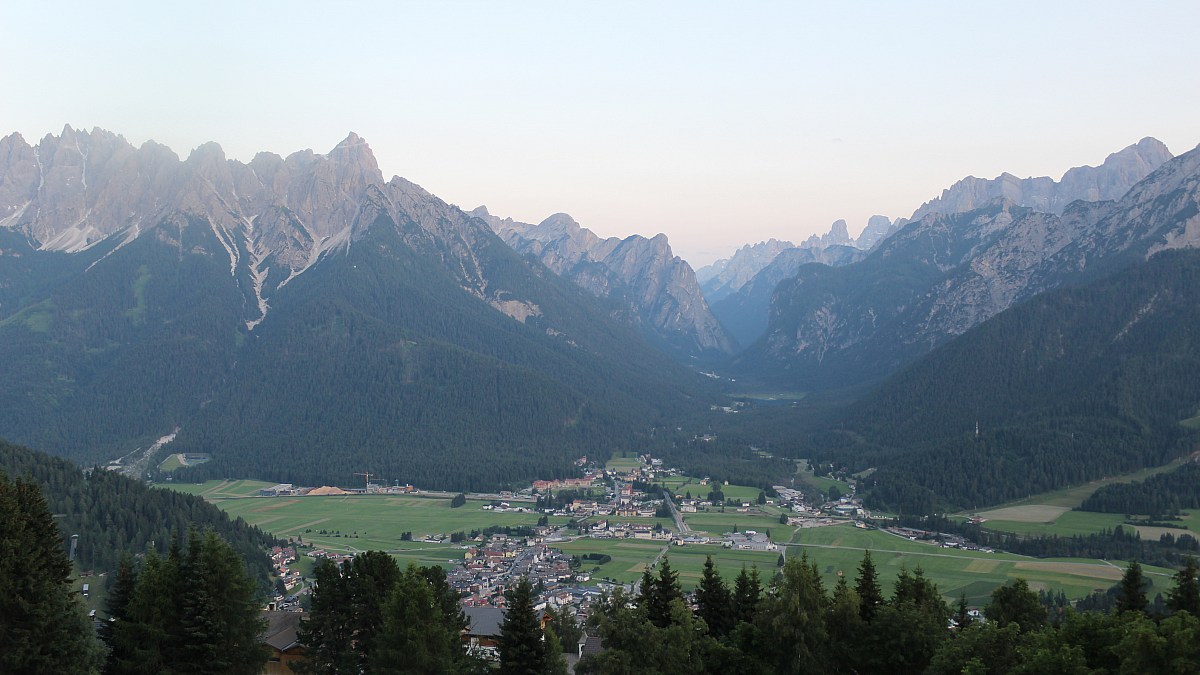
728,275
1110,181
660,289
878,228
875,316
839,233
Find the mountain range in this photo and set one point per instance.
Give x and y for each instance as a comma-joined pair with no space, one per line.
1075,384
299,318
947,271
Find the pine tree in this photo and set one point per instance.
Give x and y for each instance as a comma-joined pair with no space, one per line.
1185,596
522,650
715,604
794,614
43,628
417,636
221,625
867,587
1131,593
372,576
962,618
845,626
1015,603
327,631
657,594
747,591
117,603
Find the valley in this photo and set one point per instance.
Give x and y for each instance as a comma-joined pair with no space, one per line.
348,524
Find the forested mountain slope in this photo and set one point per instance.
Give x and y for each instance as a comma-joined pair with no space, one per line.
300,319
112,513
645,283
1073,385
945,273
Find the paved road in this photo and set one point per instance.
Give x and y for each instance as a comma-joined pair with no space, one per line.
680,525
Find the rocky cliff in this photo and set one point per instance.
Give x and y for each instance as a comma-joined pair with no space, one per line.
1109,181
947,272
648,285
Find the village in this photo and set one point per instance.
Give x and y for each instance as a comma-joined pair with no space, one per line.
629,502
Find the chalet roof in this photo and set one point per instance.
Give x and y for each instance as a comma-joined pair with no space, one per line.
281,629
590,644
484,621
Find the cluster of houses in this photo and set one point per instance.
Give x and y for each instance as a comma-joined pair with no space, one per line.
282,558
494,566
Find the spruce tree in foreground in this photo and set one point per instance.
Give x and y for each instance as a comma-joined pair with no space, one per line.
870,596
747,591
1185,596
714,601
43,628
1131,593
522,650
194,611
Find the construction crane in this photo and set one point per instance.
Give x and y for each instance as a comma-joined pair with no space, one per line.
367,476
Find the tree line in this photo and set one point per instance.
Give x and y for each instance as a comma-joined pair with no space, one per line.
112,513
1162,496
196,610
795,626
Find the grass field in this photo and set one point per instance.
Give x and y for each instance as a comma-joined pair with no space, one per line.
351,523
840,548
1072,497
1051,512
365,522
819,482
684,484
971,572
716,523
1066,524
171,463
623,463
218,489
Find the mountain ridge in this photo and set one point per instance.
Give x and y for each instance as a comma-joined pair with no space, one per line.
125,313
650,286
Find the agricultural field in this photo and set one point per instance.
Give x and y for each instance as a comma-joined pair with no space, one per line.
214,490
1051,512
681,485
630,557
623,463
819,482
715,523
840,548
352,523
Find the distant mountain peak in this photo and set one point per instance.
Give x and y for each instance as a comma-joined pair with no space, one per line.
1119,172
657,289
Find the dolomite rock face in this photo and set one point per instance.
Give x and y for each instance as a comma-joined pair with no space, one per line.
1109,181
649,285
948,271
273,218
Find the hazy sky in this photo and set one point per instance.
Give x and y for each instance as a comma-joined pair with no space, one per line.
716,123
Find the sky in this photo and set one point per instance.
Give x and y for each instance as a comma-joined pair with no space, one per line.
717,123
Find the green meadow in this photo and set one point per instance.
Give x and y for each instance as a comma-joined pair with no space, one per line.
1052,513
353,523
840,549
